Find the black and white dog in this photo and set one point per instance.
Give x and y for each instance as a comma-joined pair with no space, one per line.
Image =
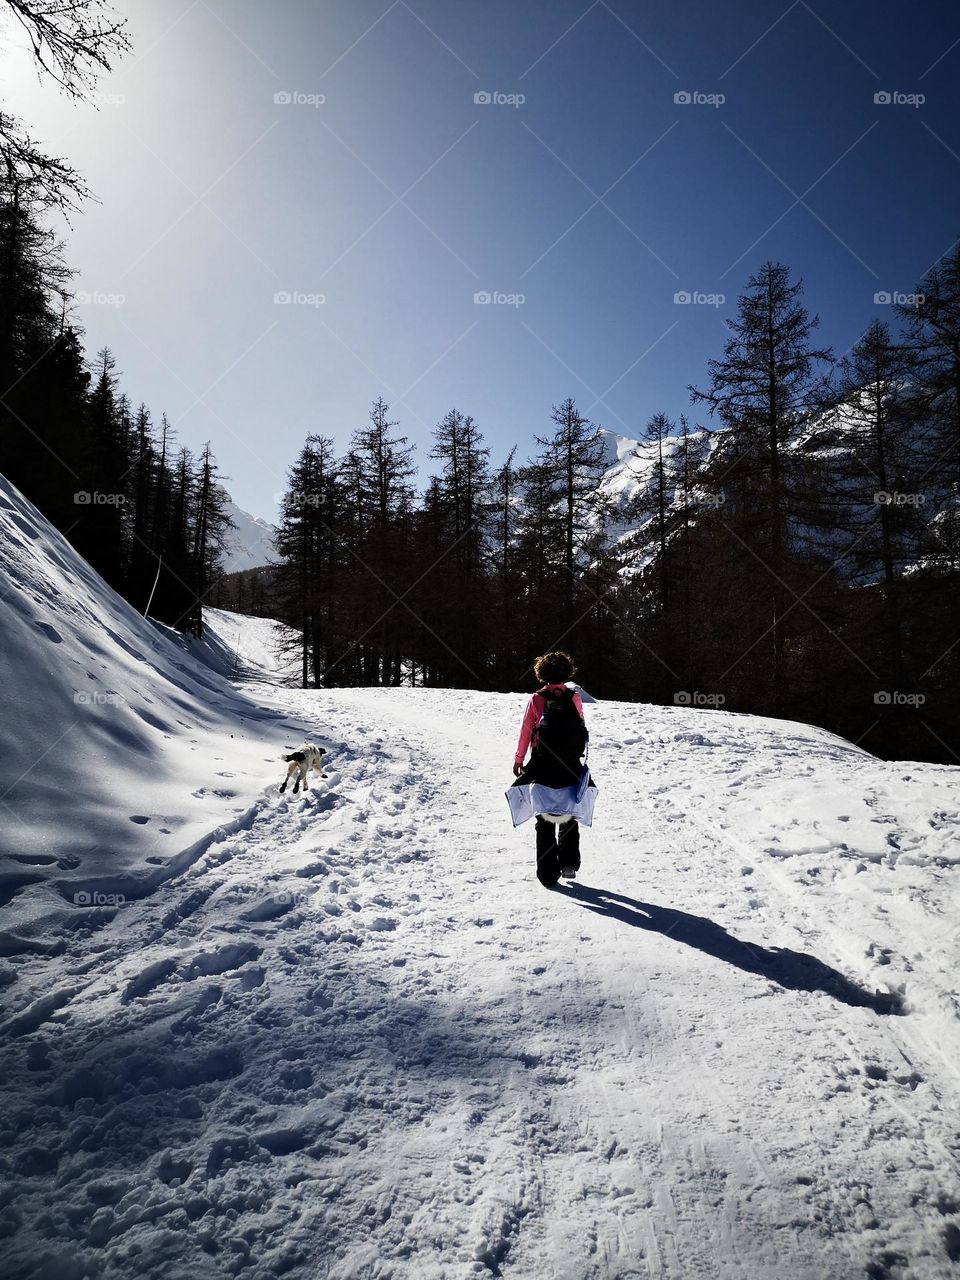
298,762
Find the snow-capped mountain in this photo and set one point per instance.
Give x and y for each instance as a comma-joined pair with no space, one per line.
250,543
835,440
628,486
631,473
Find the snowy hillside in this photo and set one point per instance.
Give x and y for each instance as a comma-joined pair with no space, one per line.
834,438
348,1035
628,489
240,647
118,748
250,543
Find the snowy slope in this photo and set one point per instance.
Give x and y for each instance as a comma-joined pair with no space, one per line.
628,489
355,1038
240,647
250,543
118,749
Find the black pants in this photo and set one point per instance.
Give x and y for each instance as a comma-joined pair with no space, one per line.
557,846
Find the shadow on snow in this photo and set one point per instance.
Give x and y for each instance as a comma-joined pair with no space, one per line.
793,970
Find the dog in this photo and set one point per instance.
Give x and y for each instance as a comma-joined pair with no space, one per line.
298,762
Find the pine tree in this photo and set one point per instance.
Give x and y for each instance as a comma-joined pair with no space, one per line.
43,377
572,459
933,336
381,472
210,523
658,431
458,503
312,583
764,390
101,534
504,573
872,505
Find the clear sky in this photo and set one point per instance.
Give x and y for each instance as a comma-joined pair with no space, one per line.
583,188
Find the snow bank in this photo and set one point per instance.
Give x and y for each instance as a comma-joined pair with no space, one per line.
118,748
240,647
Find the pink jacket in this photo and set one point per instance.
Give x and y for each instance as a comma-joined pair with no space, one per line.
531,718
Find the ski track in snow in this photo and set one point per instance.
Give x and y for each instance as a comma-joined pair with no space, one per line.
355,1038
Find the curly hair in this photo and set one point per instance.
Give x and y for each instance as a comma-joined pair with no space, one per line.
554,668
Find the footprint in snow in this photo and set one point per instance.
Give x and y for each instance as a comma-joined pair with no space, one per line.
144,982
210,963
271,908
312,869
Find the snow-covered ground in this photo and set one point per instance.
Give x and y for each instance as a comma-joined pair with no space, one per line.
349,1035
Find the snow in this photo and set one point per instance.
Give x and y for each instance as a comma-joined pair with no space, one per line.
238,647
119,749
628,488
250,543
347,1034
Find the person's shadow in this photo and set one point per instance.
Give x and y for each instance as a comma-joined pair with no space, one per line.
790,969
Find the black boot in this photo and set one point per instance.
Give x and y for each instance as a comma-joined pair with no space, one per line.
548,863
568,846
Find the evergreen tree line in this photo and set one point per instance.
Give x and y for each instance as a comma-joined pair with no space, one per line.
147,514
456,588
797,555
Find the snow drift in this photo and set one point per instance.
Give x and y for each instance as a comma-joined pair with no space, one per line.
118,748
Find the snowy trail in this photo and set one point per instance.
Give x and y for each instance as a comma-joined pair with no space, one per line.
355,1038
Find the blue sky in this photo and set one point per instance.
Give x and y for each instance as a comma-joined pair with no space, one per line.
583,188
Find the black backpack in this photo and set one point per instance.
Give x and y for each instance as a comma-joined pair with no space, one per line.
561,735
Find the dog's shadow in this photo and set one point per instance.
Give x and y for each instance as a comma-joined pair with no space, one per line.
793,970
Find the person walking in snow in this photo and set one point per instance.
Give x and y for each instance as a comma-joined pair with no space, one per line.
553,728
